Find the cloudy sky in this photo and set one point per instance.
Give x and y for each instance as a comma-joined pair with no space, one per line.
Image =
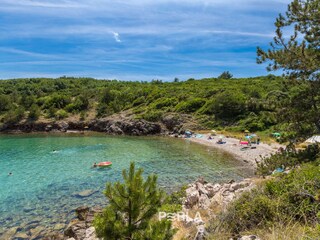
134,39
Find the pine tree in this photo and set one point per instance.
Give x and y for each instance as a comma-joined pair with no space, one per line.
299,56
225,75
132,207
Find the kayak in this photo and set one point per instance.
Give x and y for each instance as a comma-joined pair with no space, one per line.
104,164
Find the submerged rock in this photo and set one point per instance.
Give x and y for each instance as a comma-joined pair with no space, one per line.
85,193
8,234
82,212
21,236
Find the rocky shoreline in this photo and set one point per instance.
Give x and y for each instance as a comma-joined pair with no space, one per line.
109,126
124,123
200,195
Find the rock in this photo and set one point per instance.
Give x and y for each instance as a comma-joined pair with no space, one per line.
21,236
53,236
172,121
28,209
114,129
212,189
85,193
198,222
231,181
202,190
238,185
200,233
63,126
8,234
82,212
204,201
201,181
251,237
76,230
91,234
59,226
37,233
192,197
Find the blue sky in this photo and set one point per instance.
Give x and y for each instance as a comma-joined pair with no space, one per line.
134,39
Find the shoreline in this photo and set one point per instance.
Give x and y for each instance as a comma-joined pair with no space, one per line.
233,147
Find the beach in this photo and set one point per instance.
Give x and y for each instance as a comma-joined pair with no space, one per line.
232,146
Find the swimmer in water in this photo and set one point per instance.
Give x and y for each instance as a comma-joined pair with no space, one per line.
94,165
10,174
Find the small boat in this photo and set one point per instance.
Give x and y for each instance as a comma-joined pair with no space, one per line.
104,164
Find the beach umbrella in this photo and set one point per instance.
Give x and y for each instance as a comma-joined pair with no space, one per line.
188,132
248,137
313,139
276,134
221,136
253,135
213,131
246,131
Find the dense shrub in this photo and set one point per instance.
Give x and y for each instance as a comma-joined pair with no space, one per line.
61,114
4,103
191,105
14,115
286,199
57,101
34,112
289,157
164,102
226,105
153,115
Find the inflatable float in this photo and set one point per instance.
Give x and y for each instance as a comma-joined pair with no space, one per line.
104,164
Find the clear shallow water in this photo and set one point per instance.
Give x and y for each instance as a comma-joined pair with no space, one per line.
49,170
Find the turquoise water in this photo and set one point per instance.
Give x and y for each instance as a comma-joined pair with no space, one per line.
49,170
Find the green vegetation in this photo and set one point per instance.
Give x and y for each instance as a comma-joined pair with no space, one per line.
240,103
225,75
288,199
131,213
299,57
288,158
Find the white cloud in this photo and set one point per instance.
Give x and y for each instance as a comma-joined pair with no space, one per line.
116,36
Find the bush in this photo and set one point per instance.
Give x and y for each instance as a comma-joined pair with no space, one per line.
61,114
34,112
14,115
191,105
164,102
57,101
103,110
152,115
289,157
4,103
226,105
287,199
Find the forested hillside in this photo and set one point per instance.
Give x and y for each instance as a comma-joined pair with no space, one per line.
251,103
